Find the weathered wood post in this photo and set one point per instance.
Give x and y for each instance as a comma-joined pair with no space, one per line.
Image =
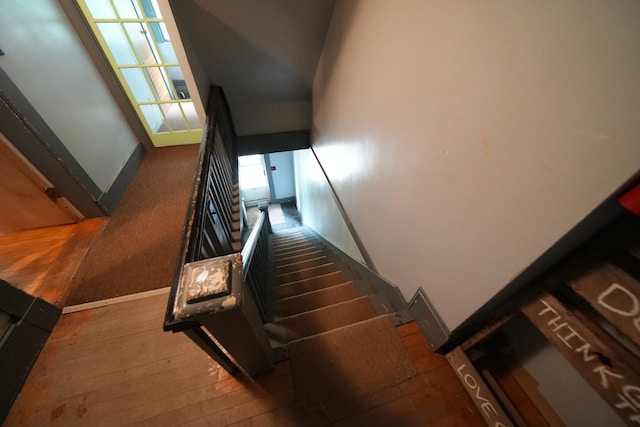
213,293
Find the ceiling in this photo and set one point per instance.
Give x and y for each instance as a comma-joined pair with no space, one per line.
263,53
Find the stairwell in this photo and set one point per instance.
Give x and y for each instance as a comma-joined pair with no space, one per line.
317,291
341,338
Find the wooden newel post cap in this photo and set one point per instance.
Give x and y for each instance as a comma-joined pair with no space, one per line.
209,286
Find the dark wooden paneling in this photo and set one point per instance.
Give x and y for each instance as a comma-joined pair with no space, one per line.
32,320
273,142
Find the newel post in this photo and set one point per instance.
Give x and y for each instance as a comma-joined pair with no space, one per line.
213,292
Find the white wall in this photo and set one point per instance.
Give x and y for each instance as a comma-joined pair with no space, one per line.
283,177
465,138
317,206
46,61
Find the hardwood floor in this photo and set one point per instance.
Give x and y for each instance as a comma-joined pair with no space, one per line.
41,262
114,365
27,255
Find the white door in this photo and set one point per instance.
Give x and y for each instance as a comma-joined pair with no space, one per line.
254,186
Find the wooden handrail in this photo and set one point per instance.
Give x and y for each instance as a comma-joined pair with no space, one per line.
252,242
218,290
255,262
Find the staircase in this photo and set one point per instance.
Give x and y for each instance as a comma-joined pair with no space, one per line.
340,333
317,292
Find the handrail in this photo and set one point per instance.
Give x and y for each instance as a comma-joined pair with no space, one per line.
220,286
255,262
251,243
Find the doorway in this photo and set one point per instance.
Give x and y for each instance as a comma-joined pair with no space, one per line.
31,200
134,39
254,186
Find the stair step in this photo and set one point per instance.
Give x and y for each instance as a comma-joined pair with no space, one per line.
317,299
355,325
293,247
298,258
302,251
291,240
328,318
295,230
309,285
291,232
307,273
301,265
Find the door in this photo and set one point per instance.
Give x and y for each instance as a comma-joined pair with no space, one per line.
253,179
134,39
23,191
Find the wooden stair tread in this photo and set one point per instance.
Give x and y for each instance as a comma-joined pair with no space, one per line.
327,318
298,258
306,273
301,265
294,247
290,254
317,299
311,284
297,239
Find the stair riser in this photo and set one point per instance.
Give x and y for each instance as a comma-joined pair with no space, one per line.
318,299
305,274
291,268
328,318
295,247
280,242
310,285
299,258
287,235
304,251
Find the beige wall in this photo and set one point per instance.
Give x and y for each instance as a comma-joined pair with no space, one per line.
465,138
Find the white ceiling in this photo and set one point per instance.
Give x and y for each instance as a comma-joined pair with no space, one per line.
263,53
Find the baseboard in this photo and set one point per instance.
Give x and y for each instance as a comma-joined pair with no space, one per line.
110,199
432,326
379,284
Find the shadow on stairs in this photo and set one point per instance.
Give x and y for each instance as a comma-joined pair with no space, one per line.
341,336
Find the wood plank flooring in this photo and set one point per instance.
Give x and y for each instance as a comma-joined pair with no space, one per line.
41,262
27,255
114,365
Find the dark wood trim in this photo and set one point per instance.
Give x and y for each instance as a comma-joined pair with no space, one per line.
28,132
33,320
273,142
111,198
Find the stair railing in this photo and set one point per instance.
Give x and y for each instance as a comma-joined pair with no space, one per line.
255,262
218,298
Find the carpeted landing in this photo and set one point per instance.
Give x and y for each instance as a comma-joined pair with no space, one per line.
139,247
340,348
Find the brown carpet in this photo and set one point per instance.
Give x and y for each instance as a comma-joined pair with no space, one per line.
139,247
328,318
347,363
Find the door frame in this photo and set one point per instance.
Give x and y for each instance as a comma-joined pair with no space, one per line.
94,52
31,136
97,49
